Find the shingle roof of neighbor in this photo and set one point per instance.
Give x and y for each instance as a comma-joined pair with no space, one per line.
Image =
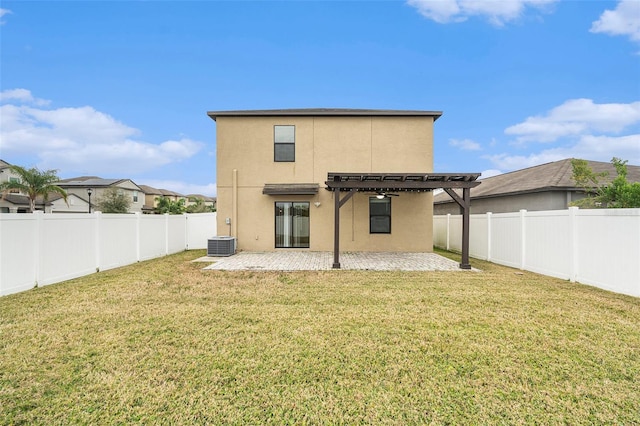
556,176
327,112
89,181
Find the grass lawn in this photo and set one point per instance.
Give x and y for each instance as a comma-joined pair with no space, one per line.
165,342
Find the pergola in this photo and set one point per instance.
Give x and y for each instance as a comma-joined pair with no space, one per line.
402,182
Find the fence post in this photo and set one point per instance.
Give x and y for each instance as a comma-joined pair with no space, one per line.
573,245
186,231
166,234
523,239
39,217
489,236
448,225
138,219
98,225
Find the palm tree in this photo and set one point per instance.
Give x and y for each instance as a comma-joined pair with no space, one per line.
34,182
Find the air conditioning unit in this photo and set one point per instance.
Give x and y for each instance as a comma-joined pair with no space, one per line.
221,246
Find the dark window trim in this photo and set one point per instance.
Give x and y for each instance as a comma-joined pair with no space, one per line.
284,143
378,215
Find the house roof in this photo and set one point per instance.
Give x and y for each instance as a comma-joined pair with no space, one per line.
555,176
326,112
203,197
166,192
150,190
23,200
91,182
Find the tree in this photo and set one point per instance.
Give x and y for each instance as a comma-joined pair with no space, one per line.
165,205
34,182
113,200
620,193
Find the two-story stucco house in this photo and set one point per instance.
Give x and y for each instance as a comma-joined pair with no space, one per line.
321,178
80,186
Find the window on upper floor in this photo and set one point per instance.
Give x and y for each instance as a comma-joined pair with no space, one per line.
284,147
135,196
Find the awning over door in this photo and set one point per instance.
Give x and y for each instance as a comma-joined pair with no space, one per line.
290,189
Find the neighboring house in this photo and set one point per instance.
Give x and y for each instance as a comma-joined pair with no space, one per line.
79,186
545,187
74,204
207,201
14,201
151,196
18,203
172,195
284,176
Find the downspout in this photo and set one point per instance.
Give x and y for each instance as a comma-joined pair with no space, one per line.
234,207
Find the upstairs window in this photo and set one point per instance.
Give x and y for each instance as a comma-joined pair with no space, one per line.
135,196
379,215
284,143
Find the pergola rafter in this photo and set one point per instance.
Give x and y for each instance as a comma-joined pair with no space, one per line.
402,182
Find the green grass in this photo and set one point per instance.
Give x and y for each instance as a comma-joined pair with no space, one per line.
164,342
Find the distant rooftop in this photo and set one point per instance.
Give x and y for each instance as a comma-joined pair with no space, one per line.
555,176
326,112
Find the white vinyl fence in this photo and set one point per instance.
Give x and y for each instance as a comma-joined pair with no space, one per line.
42,249
598,247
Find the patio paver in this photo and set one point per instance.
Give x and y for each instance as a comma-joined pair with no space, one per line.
313,261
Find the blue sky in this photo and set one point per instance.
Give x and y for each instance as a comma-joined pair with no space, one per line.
120,89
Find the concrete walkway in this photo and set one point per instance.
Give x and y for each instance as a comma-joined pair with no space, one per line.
314,261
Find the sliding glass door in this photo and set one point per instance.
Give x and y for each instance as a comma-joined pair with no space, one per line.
292,225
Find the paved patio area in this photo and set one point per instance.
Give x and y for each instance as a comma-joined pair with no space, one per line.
313,261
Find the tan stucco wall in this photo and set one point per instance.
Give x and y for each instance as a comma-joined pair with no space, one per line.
323,144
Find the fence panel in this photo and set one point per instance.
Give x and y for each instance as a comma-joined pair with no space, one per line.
152,236
45,249
455,233
595,247
68,248
200,227
548,244
176,234
118,238
18,252
506,239
479,242
608,249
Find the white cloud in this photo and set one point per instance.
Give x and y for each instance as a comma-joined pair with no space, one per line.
623,20
489,173
574,118
183,188
22,96
465,144
2,13
589,147
498,12
82,140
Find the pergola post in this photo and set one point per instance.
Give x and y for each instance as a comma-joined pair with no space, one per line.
336,230
465,206
466,198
